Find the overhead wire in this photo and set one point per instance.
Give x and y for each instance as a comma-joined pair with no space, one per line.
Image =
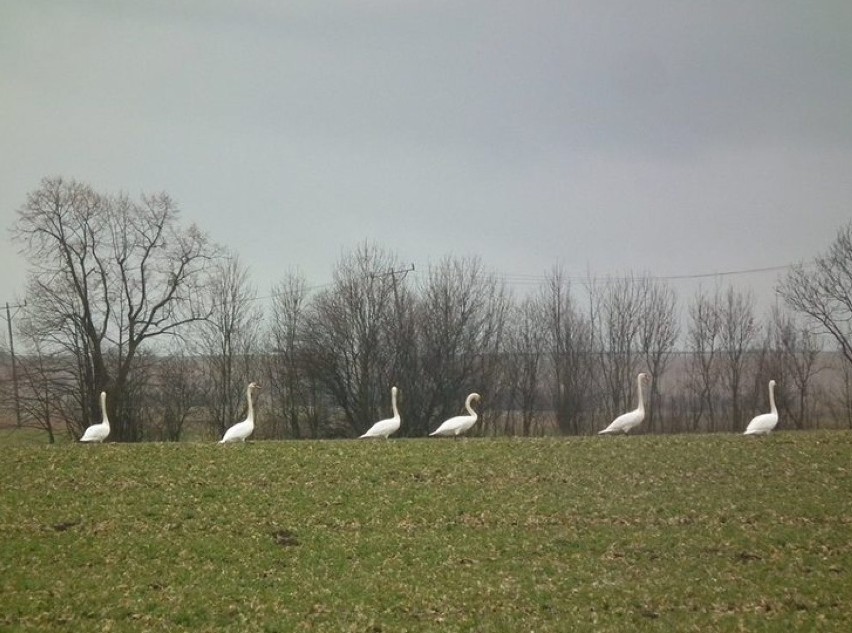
529,279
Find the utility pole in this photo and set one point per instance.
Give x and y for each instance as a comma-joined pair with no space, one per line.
14,362
402,272
392,274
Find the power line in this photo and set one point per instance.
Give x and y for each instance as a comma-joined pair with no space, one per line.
522,278
727,273
530,279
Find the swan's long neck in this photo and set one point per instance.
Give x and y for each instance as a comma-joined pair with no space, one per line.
104,417
250,417
772,399
468,407
393,403
641,406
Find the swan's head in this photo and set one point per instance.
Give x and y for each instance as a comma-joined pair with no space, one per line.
473,396
646,378
771,384
253,386
394,391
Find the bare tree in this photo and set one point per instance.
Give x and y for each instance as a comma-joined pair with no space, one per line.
823,290
399,337
59,341
138,407
617,305
798,351
291,391
228,342
344,340
461,318
40,373
177,391
739,329
704,332
658,333
108,274
570,344
523,360
840,404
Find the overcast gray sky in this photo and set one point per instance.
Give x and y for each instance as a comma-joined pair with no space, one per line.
670,137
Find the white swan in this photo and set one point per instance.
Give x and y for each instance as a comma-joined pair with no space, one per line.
98,432
383,428
460,423
241,430
763,424
626,421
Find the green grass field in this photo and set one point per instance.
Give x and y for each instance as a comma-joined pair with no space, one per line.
667,533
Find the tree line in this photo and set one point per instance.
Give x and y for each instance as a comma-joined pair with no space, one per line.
123,298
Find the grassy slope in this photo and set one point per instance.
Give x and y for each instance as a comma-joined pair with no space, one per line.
659,533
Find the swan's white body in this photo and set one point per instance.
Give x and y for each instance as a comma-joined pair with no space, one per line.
98,432
383,428
627,421
241,430
461,423
764,423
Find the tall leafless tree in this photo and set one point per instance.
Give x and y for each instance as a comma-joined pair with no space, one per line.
229,340
523,358
177,390
345,339
823,290
571,355
41,377
292,392
617,304
108,274
839,406
460,320
658,333
703,342
739,330
797,350
399,337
